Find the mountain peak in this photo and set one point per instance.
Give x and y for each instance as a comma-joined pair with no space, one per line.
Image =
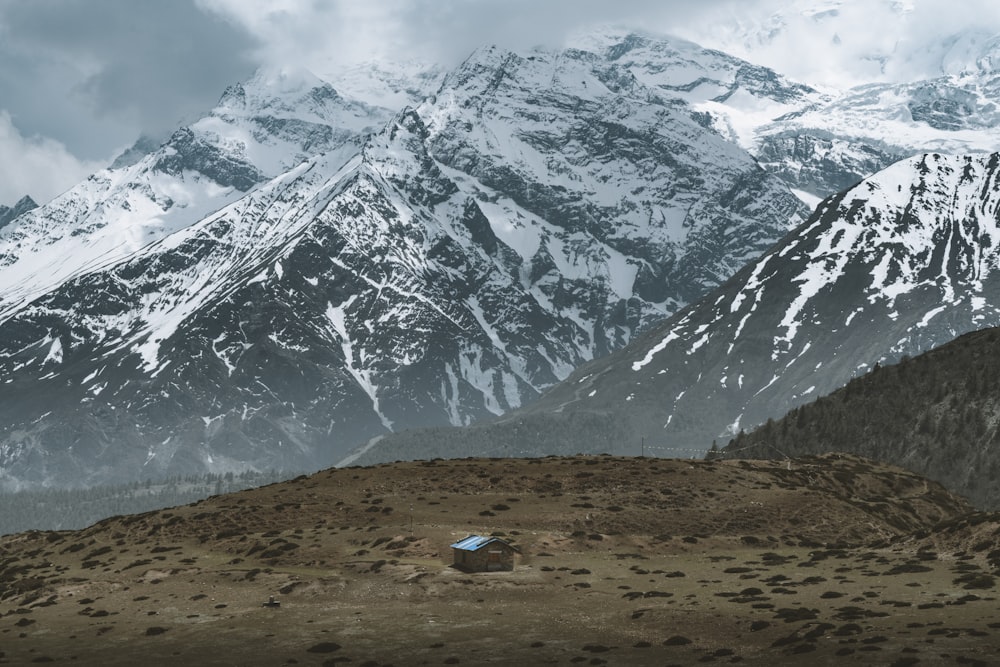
277,90
388,85
142,147
23,205
288,79
613,42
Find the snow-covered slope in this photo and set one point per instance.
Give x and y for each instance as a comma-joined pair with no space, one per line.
260,129
905,261
534,213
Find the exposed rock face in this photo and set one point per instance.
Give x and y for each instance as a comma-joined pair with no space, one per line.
816,164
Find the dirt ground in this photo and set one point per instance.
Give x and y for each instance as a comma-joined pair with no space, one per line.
832,560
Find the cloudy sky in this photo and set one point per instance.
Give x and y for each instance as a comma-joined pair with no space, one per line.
80,79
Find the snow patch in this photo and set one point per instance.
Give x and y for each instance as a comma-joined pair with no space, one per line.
656,349
925,320
55,352
337,315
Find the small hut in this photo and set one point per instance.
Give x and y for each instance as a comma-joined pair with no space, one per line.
484,554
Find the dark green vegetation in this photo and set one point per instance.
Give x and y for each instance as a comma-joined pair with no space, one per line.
937,414
627,561
67,509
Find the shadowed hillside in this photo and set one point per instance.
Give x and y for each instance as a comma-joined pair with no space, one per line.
937,414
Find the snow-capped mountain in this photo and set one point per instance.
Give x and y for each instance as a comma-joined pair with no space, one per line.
879,97
906,260
821,140
308,267
535,212
830,145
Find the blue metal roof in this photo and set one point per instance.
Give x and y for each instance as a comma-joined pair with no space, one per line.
475,542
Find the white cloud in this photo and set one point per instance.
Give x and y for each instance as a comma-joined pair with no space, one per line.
830,42
118,67
321,34
842,43
93,74
36,166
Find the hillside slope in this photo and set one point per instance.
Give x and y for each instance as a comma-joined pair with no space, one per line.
937,414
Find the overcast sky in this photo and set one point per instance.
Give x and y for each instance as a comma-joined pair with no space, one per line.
80,79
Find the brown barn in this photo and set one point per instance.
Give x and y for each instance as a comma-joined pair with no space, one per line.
484,554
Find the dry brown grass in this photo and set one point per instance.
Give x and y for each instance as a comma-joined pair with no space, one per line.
627,561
